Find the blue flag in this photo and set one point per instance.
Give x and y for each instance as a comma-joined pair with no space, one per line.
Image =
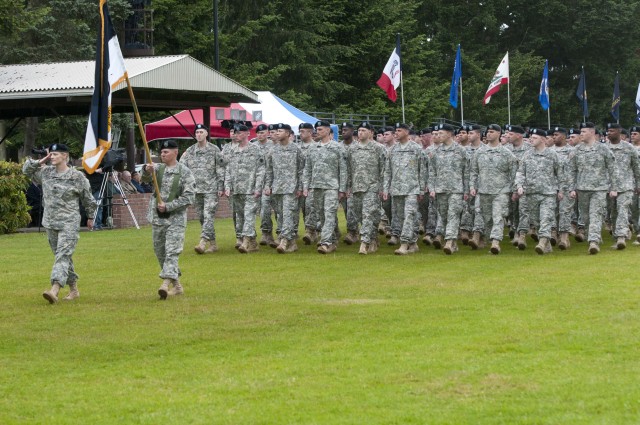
455,80
615,101
582,94
543,97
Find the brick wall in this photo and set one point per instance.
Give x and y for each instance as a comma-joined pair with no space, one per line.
139,203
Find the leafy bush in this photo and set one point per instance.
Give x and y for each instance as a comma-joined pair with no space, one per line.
14,211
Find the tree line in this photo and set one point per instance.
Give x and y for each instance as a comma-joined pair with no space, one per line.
328,54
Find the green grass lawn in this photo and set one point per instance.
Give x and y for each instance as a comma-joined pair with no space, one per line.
309,339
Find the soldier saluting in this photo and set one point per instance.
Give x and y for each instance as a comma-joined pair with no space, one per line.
62,188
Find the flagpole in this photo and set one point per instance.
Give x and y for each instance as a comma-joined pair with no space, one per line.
402,94
509,99
584,98
549,117
461,103
144,139
401,74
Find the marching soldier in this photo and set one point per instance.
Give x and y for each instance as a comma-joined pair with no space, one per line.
284,185
448,184
306,202
493,171
243,183
266,144
62,188
347,132
566,205
518,209
628,183
592,175
168,218
404,182
204,159
365,161
325,172
539,177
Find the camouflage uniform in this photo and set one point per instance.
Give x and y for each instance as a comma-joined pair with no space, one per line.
227,149
306,203
540,174
592,175
61,217
566,206
325,172
266,203
474,220
428,209
449,179
628,180
207,167
168,233
346,203
635,205
404,181
366,173
493,172
284,177
518,209
243,177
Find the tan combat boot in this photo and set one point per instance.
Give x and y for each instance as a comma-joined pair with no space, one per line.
464,237
322,249
403,250
238,242
253,246
364,248
373,246
564,241
213,247
163,291
292,246
351,238
202,246
282,248
521,241
308,238
413,248
454,246
554,237
244,247
580,235
541,248
448,247
594,248
265,238
52,294
437,242
393,240
330,248
427,240
474,242
381,228
621,243
177,288
533,232
495,246
73,291
274,243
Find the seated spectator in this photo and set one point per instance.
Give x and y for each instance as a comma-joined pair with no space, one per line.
136,180
125,181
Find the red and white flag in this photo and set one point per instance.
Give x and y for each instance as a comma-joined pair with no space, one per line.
390,79
501,77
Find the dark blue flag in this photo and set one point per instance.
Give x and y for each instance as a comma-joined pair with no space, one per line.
455,80
582,94
543,97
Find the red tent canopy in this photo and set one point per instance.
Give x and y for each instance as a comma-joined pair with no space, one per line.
169,128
